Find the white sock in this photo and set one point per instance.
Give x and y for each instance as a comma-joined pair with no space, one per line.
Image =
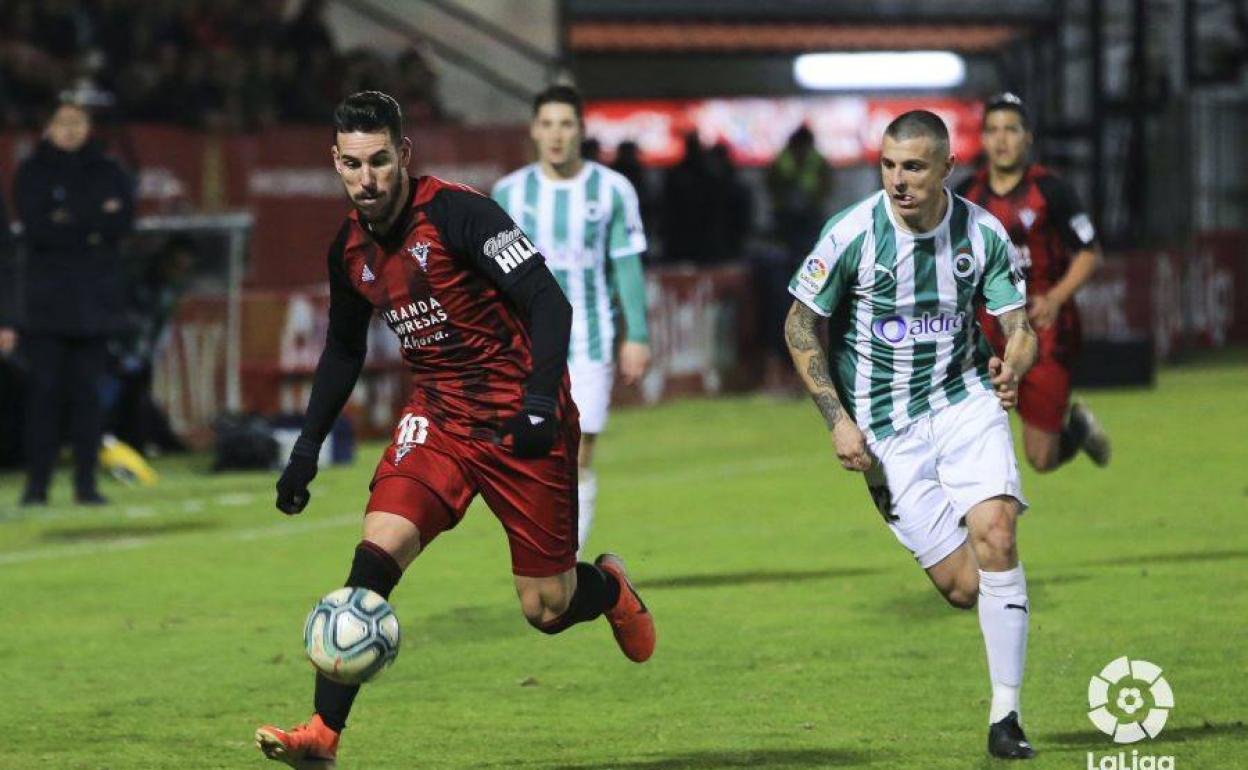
586,493
1004,625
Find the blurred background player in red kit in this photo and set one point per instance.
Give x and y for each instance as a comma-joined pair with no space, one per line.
1058,247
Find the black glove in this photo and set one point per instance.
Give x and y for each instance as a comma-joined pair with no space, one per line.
533,429
292,487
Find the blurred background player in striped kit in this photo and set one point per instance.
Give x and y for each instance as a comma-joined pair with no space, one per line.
585,219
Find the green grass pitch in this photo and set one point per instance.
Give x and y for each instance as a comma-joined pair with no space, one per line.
794,632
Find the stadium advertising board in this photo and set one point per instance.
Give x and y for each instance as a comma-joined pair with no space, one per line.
847,128
1180,299
701,326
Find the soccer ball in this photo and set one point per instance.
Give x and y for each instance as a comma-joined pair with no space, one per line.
351,635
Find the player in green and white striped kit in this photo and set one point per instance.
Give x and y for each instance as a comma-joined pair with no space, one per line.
912,393
585,220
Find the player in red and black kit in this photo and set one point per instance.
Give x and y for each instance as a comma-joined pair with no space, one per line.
1057,244
484,327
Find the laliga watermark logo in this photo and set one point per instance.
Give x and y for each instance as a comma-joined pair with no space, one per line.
1129,700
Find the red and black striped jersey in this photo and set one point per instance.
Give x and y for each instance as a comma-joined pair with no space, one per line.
439,279
1044,219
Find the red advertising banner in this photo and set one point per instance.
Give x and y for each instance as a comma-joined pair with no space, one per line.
702,338
191,372
284,176
1179,299
847,128
701,333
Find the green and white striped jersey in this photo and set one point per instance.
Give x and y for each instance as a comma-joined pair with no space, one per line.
904,339
578,225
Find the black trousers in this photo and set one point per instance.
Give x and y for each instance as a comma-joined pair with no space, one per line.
63,392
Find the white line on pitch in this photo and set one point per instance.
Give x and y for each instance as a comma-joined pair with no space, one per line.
677,475
131,543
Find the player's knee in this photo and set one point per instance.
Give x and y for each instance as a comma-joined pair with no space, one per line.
1043,460
962,597
542,607
994,536
401,542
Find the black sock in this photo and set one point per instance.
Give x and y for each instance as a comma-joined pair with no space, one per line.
596,592
1071,439
376,570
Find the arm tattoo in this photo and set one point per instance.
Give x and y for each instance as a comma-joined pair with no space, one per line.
830,407
1020,340
799,329
1014,320
811,360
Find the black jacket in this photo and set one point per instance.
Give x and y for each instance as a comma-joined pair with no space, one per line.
10,300
75,208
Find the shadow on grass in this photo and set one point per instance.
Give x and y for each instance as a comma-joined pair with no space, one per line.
463,625
764,759
1094,741
758,577
1149,560
122,531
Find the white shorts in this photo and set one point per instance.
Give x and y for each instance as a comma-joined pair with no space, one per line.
937,468
591,390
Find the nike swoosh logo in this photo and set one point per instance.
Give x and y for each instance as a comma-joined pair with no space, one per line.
1022,607
536,420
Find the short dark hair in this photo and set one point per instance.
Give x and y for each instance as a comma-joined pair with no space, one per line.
369,112
1007,101
560,95
919,123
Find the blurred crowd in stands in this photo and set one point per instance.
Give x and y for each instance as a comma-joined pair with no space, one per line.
230,64
703,211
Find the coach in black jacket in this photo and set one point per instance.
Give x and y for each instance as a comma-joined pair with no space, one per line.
75,205
10,301
10,382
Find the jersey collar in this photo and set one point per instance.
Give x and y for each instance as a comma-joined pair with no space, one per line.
1022,181
570,181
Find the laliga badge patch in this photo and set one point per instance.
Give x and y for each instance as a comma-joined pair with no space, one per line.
813,275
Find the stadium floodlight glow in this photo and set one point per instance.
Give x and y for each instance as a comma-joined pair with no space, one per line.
868,70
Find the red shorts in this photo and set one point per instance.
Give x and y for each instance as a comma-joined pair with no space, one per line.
1044,394
535,500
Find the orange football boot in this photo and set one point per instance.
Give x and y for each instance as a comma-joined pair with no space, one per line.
630,621
310,746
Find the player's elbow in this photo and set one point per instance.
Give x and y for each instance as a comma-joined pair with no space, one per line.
549,302
563,309
350,351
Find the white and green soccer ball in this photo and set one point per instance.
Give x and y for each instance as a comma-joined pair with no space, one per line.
351,635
